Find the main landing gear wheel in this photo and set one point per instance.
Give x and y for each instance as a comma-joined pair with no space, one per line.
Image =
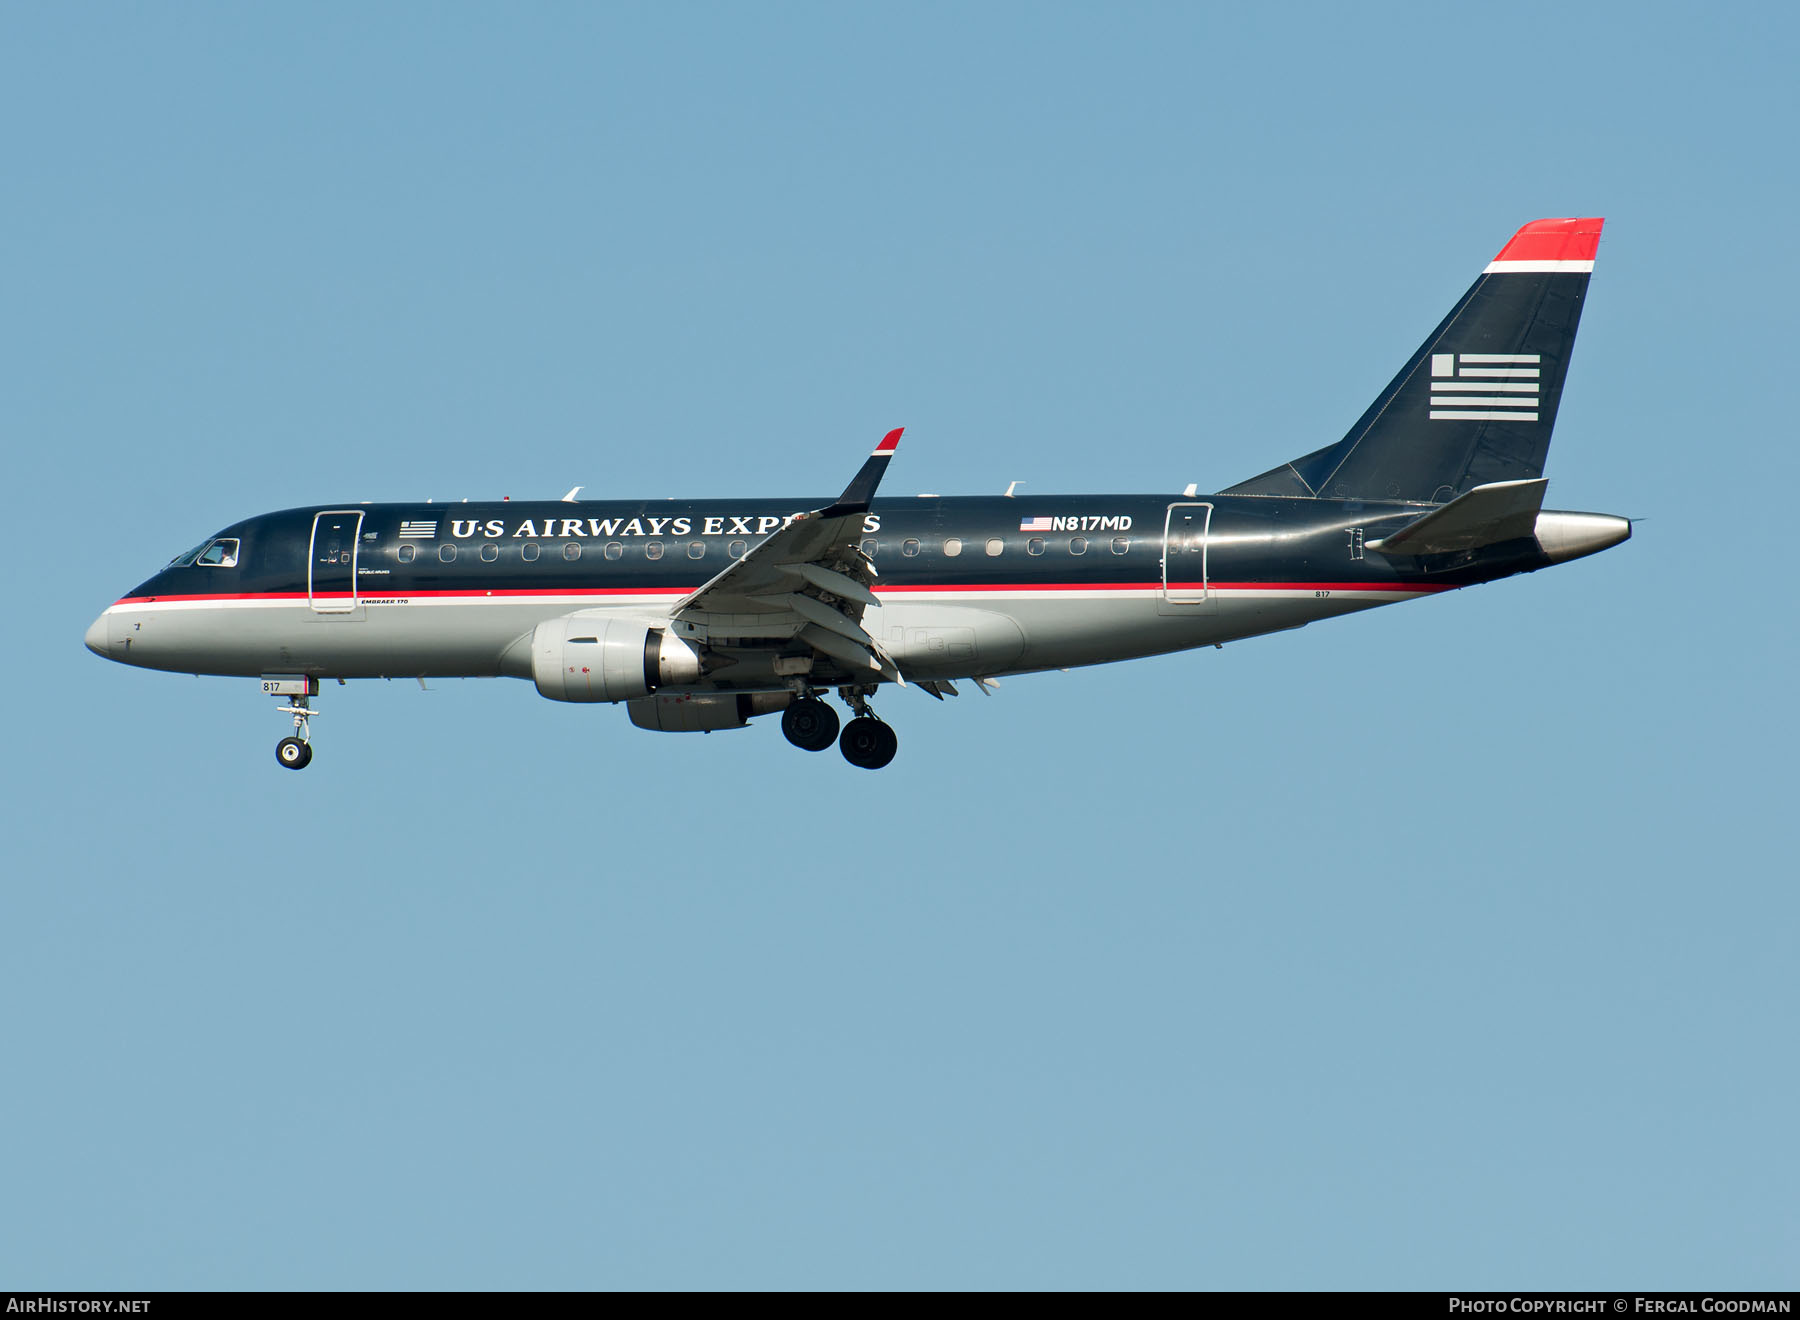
810,724
868,743
293,753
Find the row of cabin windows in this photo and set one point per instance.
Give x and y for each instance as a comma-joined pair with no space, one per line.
996,545
571,551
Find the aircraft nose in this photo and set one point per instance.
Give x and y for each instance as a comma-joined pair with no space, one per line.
96,635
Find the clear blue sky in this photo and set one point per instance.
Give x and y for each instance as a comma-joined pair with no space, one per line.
1447,945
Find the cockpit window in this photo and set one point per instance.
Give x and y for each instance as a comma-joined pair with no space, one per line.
187,557
221,553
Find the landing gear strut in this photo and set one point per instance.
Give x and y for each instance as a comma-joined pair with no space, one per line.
866,743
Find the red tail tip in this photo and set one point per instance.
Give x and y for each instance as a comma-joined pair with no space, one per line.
890,442
1573,239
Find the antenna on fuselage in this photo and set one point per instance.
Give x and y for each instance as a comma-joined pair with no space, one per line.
1191,489
570,497
1011,486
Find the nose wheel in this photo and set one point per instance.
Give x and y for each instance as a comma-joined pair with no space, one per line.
294,753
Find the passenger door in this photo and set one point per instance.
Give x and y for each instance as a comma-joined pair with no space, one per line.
331,563
1185,586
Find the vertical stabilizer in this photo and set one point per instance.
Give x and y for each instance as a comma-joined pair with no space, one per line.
1477,402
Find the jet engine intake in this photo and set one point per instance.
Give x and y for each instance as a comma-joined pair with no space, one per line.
589,657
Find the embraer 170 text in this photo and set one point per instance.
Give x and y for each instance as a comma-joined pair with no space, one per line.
703,615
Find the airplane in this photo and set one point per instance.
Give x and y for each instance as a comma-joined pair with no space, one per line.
704,615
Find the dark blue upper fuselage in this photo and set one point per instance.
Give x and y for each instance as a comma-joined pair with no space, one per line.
666,545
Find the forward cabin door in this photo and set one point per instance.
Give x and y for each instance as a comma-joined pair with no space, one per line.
331,563
1185,584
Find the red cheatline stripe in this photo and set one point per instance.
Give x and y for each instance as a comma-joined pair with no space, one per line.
414,595
882,588
1555,240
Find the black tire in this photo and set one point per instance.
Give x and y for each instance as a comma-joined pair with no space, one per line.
292,753
868,743
307,759
810,724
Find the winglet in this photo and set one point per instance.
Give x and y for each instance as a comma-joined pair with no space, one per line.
861,489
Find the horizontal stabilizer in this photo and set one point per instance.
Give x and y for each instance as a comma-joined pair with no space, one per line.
1486,515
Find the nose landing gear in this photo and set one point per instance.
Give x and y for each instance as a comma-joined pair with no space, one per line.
294,753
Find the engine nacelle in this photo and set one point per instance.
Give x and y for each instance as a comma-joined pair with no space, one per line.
589,657
703,713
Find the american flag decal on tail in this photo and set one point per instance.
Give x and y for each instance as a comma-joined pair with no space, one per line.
1484,387
418,531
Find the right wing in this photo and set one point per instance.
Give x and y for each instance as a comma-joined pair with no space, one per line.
808,579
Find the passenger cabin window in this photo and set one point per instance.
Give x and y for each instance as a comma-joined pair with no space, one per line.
653,549
736,549
952,548
613,550
1035,546
222,553
1121,544
909,547
447,553
529,552
489,553
571,550
696,549
869,547
994,546
1078,545
406,552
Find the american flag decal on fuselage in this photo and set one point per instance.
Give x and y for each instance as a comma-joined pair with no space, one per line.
418,531
1035,525
1484,387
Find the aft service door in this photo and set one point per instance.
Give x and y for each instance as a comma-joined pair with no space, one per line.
1184,578
331,561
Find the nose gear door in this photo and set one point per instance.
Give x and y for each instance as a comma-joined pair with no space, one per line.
331,562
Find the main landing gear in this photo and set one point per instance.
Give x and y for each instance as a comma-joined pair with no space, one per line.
810,724
868,743
865,742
